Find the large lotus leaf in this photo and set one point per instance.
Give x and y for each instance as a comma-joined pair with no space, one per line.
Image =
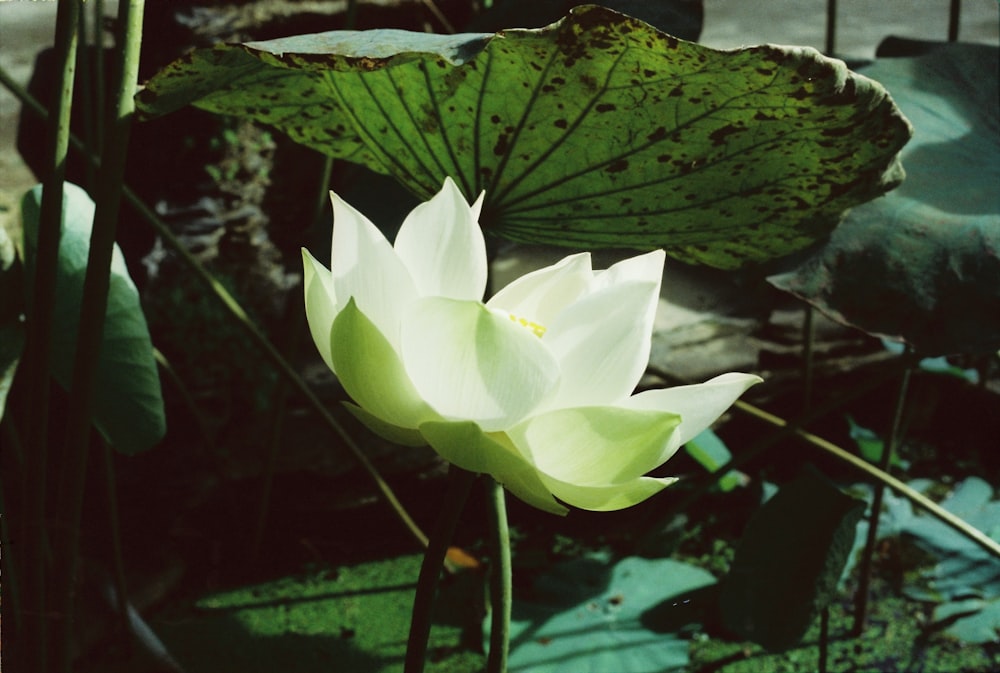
128,407
596,131
590,617
922,264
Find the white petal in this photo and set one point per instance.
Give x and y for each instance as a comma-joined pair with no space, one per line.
608,498
392,433
365,267
442,246
468,447
597,446
602,344
540,295
699,405
647,268
372,373
470,363
321,303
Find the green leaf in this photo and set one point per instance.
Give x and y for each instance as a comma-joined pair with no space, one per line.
922,265
11,310
789,561
870,445
712,453
591,617
596,131
128,406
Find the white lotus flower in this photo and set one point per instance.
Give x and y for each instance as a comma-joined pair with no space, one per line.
533,387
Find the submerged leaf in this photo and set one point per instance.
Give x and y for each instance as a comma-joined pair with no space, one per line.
922,265
598,130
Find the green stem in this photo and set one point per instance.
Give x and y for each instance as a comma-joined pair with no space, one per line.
296,318
920,500
885,460
460,483
94,307
236,312
501,585
35,370
808,363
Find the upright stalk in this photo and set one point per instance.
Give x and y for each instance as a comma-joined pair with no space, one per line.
888,448
501,581
94,307
35,369
459,484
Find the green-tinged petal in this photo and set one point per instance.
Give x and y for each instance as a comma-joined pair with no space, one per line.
596,446
608,498
442,246
393,433
467,446
699,405
540,295
321,303
470,363
365,267
602,344
372,373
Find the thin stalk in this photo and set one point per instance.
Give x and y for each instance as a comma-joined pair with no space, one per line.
236,312
279,400
459,484
787,428
10,574
501,581
919,499
824,638
885,460
94,307
118,563
85,100
808,363
35,369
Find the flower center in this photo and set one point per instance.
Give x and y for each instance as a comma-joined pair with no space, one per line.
539,330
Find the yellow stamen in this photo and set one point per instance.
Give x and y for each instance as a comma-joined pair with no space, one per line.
539,330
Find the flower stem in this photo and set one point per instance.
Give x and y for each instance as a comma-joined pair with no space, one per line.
884,464
501,586
460,483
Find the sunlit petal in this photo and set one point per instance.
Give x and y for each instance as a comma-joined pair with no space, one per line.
467,446
540,295
442,246
365,267
602,343
597,445
470,363
699,405
372,373
608,498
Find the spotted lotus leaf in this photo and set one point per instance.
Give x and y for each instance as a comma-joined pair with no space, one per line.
596,131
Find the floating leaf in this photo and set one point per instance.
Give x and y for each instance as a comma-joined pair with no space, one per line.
128,408
922,265
789,561
712,453
589,617
596,131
